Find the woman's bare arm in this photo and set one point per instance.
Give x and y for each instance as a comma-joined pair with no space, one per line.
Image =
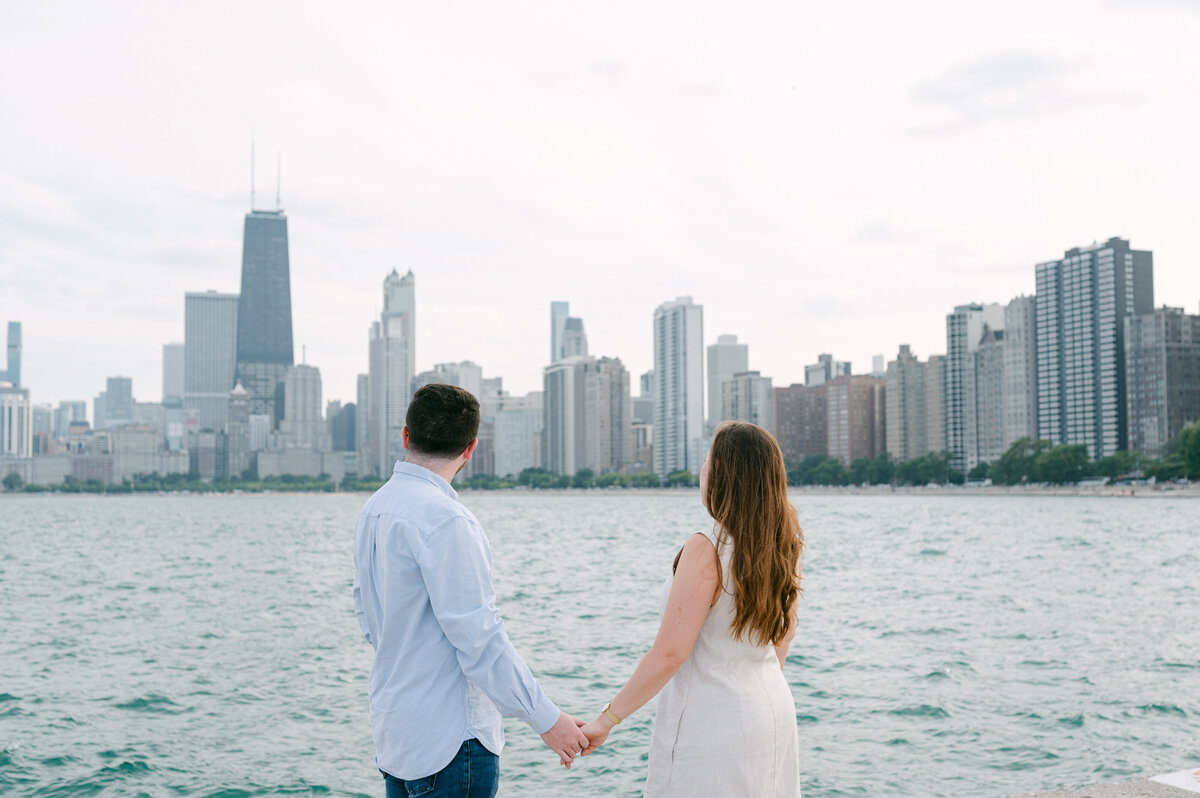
696,582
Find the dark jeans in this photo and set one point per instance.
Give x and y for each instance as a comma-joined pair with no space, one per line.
473,773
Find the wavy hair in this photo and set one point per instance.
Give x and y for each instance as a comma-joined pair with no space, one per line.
746,494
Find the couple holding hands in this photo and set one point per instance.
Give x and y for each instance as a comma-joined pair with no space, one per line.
445,672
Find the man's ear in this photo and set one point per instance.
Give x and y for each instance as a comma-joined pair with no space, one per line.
470,450
404,435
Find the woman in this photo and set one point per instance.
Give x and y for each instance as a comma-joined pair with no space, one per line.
726,722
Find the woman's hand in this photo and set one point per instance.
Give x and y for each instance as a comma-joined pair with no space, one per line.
597,732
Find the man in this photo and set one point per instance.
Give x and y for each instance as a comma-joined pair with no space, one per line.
444,669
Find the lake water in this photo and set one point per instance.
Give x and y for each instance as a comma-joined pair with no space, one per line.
947,645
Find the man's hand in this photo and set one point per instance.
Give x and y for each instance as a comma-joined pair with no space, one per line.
565,739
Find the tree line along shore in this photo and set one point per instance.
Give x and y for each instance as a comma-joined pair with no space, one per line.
1027,462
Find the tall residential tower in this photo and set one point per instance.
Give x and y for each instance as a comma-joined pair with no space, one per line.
1082,303
679,386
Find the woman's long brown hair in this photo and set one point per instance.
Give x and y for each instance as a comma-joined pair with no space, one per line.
746,494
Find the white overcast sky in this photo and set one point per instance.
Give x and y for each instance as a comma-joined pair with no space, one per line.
829,177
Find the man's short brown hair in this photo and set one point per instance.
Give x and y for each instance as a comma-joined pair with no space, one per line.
442,420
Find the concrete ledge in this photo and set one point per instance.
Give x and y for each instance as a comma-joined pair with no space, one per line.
1141,788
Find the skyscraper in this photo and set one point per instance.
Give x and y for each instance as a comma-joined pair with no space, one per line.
679,386
824,370
1020,370
906,412
801,426
16,421
559,311
725,358
13,373
608,415
210,336
564,433
118,401
747,396
964,331
1162,367
173,368
465,375
1082,303
393,351
574,339
855,413
264,330
985,398
362,447
303,426
519,426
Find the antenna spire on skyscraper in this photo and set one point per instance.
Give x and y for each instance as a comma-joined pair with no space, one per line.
252,174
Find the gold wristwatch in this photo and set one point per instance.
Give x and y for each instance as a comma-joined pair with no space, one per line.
608,713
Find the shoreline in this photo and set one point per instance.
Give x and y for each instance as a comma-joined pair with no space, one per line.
1024,491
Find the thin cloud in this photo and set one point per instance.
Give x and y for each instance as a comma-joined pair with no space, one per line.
879,231
1004,86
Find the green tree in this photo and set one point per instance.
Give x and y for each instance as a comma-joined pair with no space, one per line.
1018,464
828,472
883,470
1189,449
13,481
1118,464
682,479
583,478
979,472
860,471
1063,465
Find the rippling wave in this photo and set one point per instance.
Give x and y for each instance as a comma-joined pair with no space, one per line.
947,646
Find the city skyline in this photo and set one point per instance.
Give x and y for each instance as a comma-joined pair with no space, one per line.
578,156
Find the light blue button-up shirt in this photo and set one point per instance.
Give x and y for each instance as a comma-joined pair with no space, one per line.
444,669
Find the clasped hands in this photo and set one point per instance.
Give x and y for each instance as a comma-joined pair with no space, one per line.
570,737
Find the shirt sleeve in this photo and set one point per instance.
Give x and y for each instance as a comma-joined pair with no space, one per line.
360,571
456,566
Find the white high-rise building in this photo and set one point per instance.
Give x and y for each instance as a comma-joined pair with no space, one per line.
587,415
209,355
1020,370
564,433
679,386
825,370
465,375
16,421
362,449
609,416
747,396
303,425
392,356
173,359
985,399
964,331
906,410
1082,303
725,358
519,434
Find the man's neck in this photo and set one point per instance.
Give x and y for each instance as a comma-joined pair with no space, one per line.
446,469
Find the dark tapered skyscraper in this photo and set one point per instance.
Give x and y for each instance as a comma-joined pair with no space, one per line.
264,331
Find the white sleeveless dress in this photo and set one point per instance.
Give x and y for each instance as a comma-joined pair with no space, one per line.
726,722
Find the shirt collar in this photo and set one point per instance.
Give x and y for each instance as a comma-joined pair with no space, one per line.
421,472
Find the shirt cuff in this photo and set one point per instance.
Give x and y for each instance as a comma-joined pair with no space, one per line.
544,717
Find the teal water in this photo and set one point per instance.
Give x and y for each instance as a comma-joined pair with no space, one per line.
947,646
